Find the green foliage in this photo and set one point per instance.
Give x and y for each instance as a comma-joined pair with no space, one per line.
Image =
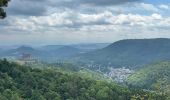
66,66
3,3
153,77
93,74
24,83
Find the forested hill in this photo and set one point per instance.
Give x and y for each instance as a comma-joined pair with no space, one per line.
131,52
154,77
25,83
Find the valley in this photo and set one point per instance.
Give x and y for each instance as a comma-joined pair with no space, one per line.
133,67
84,49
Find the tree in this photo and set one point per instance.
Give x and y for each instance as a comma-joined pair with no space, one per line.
48,84
3,3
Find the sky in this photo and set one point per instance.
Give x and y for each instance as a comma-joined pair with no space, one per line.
35,22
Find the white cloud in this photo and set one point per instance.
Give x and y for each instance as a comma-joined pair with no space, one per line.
105,21
164,6
80,25
87,18
56,19
149,7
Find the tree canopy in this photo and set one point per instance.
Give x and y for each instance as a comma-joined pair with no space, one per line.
3,3
25,83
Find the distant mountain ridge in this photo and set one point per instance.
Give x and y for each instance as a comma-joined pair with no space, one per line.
91,47
130,53
21,50
25,48
49,52
65,51
50,47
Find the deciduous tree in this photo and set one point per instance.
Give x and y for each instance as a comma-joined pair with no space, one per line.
3,3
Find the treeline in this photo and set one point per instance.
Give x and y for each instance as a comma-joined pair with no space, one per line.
25,83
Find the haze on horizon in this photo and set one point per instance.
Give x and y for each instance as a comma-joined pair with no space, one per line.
78,21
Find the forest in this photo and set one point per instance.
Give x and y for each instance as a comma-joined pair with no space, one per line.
20,82
84,50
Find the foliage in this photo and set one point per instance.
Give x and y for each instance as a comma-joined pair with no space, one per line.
3,3
25,83
93,74
153,77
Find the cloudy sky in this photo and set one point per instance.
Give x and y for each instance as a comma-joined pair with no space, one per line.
83,21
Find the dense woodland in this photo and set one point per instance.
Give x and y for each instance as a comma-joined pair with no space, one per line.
155,77
22,82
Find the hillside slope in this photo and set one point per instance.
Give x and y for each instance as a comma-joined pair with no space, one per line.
132,52
24,83
21,50
153,77
65,51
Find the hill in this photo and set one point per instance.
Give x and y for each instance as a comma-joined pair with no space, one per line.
65,51
21,50
23,82
130,53
82,47
50,47
1,51
49,53
43,53
153,77
90,47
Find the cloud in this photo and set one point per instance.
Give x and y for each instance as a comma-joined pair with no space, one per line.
164,6
95,2
40,7
149,7
59,21
103,21
27,7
